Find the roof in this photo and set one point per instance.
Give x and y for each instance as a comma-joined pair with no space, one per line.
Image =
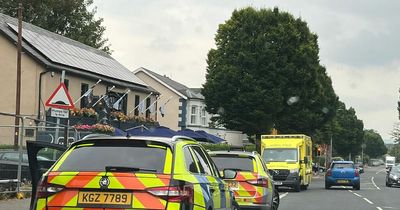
167,140
342,161
178,88
61,53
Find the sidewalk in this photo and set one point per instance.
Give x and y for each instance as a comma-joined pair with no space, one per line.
15,204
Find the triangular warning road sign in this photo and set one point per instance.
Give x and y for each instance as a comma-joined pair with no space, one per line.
60,98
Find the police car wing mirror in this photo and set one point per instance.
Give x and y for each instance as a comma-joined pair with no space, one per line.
229,174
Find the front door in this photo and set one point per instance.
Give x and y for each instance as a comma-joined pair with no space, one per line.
41,156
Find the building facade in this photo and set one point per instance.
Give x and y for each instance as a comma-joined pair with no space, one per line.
45,55
186,109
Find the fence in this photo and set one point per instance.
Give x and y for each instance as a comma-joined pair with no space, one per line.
14,168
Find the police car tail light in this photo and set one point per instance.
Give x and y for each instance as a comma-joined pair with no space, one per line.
329,173
46,189
174,193
259,182
356,173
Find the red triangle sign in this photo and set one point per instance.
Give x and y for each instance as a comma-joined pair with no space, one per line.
60,98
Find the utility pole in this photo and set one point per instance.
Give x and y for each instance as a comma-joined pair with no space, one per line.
18,91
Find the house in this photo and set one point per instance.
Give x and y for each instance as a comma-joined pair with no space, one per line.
184,107
45,55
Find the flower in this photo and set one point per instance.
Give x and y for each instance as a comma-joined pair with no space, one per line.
84,112
100,128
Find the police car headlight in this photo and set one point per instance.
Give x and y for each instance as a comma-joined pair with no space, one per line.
292,171
393,176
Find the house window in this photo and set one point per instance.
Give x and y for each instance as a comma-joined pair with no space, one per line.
193,115
113,98
66,83
84,89
203,115
137,101
147,107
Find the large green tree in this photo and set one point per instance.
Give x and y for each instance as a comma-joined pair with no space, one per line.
375,146
70,18
265,72
347,132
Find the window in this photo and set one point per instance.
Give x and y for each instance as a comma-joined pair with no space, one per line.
114,97
234,162
84,89
193,115
66,83
203,116
202,161
190,164
147,107
137,100
121,153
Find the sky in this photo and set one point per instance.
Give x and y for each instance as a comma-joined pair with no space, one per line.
359,44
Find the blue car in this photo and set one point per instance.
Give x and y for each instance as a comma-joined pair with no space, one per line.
342,173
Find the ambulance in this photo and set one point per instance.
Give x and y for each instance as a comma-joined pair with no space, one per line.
288,159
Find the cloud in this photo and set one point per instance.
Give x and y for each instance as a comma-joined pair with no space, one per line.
358,43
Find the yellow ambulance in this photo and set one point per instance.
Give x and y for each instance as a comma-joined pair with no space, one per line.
288,159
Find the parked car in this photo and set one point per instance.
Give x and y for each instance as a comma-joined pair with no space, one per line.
393,176
342,173
9,160
253,187
374,162
130,173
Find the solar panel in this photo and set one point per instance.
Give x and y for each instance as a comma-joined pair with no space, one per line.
68,54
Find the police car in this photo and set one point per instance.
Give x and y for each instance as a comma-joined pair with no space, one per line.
127,173
253,187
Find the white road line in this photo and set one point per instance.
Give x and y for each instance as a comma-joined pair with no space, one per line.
372,180
358,195
379,208
283,195
381,171
370,202
350,191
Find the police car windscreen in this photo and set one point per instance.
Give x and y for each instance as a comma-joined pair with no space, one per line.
233,163
98,156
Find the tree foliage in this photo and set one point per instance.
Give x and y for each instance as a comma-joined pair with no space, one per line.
396,133
265,72
70,18
348,135
375,146
395,151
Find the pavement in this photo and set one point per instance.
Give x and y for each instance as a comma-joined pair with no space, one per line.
374,195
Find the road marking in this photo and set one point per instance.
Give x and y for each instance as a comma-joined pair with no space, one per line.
379,208
358,195
370,202
350,191
372,180
283,195
381,171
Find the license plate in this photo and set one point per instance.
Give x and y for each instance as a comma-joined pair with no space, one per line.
233,185
342,181
277,183
105,198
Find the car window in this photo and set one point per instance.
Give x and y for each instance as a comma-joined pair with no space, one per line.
342,165
234,162
11,156
98,156
189,161
202,160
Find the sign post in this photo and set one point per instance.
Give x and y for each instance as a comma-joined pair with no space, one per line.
61,102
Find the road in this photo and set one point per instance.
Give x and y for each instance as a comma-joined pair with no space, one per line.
374,195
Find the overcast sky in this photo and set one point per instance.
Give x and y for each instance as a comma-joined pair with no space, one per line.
359,44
